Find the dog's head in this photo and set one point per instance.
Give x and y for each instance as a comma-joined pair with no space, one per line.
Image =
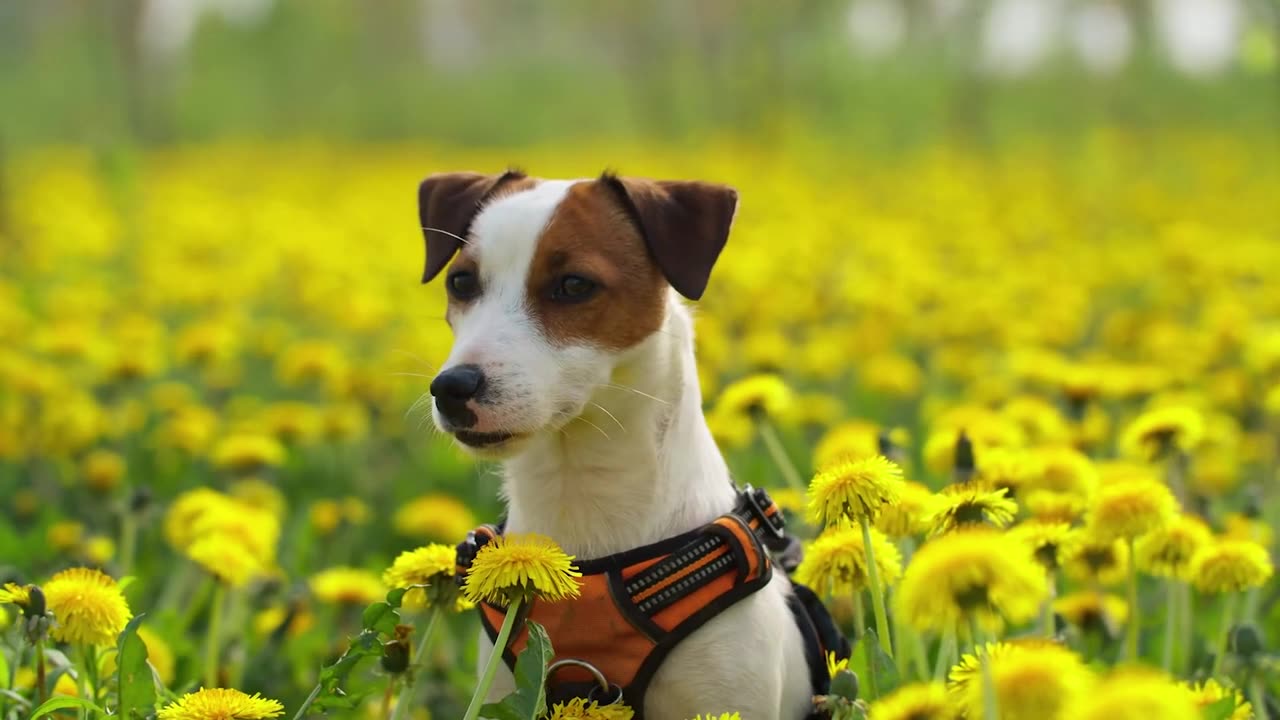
550,283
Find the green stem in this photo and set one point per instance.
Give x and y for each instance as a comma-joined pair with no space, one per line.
946,650
128,540
1046,610
213,644
990,703
877,595
82,681
921,656
1184,646
495,658
1224,636
859,616
306,704
406,692
1131,628
41,674
1170,624
773,444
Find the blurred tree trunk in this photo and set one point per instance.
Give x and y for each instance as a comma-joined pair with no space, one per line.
125,23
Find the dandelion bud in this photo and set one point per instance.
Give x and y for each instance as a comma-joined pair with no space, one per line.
395,652
1246,641
845,685
965,465
139,500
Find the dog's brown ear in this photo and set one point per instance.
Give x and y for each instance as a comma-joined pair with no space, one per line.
447,203
685,225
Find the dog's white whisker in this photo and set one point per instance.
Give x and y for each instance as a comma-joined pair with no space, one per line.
597,427
419,358
612,417
638,392
459,238
411,374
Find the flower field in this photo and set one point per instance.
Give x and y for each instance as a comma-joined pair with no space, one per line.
1022,404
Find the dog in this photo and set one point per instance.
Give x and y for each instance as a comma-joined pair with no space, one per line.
573,365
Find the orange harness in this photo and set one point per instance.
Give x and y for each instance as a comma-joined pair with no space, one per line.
636,606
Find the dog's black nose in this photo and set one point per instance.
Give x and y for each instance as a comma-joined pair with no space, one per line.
453,388
461,382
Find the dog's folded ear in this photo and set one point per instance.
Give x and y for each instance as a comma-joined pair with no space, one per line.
685,225
447,203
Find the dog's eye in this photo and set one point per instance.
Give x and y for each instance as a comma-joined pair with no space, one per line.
573,288
463,285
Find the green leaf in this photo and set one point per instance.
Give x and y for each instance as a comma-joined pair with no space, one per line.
1220,710
395,597
872,664
529,701
382,617
365,645
63,702
135,685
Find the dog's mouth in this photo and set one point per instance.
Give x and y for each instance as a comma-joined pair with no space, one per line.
483,439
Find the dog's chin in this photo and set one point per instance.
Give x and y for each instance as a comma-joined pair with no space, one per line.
490,445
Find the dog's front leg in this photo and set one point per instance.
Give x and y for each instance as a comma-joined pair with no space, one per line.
504,683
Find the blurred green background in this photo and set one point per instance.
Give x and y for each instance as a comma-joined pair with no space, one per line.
884,73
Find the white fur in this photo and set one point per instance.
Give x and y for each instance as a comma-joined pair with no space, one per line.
616,454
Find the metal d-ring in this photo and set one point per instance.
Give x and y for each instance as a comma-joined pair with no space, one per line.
602,683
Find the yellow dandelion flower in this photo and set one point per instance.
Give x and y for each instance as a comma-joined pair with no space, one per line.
1064,470
14,594
917,701
1158,432
226,558
25,679
291,422
1135,694
102,470
1167,552
1003,468
292,620
975,573
854,490
247,452
730,430
1211,692
834,666
1039,419
325,516
65,535
763,394
910,515
259,494
98,550
521,565
1093,560
960,506
347,586
1053,506
87,605
1239,526
849,440
580,709
836,561
721,716
1230,566
1032,681
355,511
434,517
1092,611
1048,540
312,361
1129,508
221,704
432,566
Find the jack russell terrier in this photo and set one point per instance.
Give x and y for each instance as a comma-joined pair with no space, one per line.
573,364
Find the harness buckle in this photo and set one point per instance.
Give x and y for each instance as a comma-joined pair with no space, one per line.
757,500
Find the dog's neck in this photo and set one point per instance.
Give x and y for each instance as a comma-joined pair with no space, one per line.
638,466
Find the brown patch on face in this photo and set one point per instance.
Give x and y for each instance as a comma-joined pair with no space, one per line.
591,236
